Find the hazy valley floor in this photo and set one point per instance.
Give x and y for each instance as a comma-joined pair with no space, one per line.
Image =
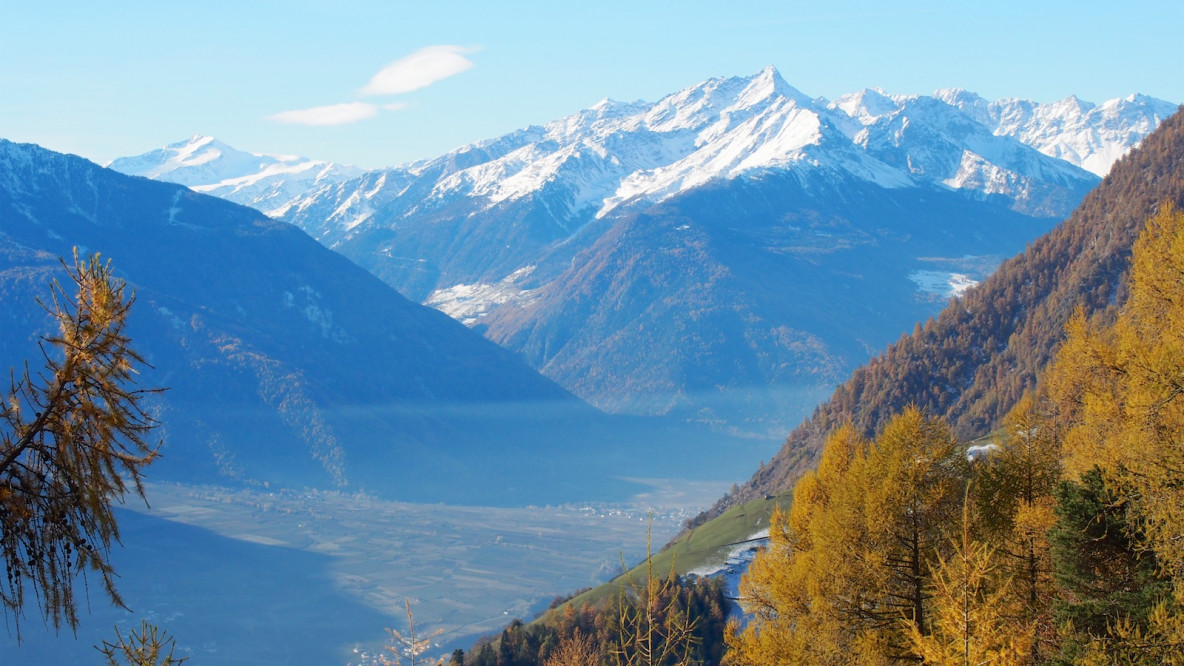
244,577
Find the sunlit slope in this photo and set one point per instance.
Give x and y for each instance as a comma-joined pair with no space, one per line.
973,362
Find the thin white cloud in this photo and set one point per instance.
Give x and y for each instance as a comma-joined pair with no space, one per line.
419,70
333,114
396,106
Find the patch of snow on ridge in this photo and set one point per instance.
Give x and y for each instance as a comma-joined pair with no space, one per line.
942,283
974,453
353,211
468,303
175,207
976,173
736,557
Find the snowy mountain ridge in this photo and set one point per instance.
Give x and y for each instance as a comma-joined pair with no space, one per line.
269,183
1092,136
596,160
614,153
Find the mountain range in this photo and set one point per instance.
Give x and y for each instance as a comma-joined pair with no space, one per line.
730,252
645,148
288,365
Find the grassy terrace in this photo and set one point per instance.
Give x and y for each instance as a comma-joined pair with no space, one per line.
704,546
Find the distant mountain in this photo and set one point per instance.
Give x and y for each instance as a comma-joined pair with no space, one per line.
616,155
289,365
269,183
1088,135
645,148
744,302
727,253
599,159
973,362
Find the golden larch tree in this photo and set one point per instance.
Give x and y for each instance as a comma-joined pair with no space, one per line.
847,571
72,442
976,617
1015,486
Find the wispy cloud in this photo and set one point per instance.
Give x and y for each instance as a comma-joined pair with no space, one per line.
333,114
409,73
419,70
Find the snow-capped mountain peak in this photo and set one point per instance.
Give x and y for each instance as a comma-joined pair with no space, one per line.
189,161
869,104
768,84
970,103
268,182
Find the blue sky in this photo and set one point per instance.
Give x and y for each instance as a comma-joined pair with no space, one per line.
105,80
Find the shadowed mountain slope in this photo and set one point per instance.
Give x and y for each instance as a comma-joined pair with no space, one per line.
287,364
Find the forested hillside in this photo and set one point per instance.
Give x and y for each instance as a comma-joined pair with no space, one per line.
1059,543
973,362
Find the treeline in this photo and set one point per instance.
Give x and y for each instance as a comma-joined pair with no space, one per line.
1063,543
655,619
973,363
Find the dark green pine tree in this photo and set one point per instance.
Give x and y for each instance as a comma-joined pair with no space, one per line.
505,654
485,657
1097,562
